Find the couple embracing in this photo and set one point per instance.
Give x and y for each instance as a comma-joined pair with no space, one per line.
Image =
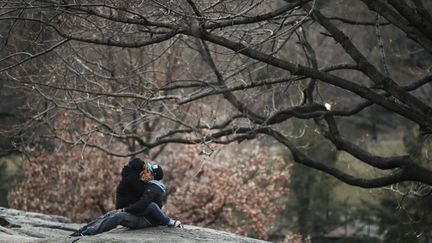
138,201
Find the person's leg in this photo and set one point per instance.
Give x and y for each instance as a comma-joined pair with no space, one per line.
155,215
112,220
136,222
84,230
97,220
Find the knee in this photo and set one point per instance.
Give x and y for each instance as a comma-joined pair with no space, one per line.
153,205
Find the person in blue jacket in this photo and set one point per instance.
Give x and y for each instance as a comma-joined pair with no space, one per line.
138,201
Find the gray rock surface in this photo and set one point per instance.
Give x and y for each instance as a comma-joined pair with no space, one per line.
20,226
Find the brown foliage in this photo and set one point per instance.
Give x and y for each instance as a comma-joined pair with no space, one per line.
241,194
62,183
75,181
238,192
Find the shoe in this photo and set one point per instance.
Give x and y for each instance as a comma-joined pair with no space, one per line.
81,232
175,224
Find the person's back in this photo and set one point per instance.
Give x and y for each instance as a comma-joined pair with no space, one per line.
130,188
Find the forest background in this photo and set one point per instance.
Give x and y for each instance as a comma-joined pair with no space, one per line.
282,120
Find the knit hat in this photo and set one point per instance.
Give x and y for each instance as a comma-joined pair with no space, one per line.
156,170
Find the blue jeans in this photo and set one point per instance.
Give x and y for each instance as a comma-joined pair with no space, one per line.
155,215
152,216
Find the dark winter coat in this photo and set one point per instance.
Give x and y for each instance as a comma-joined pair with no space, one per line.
130,187
153,192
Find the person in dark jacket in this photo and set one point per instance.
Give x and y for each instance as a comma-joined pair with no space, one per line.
138,201
131,187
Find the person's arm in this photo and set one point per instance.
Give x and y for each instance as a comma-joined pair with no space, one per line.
150,193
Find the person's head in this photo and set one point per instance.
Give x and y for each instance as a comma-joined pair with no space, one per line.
134,166
151,172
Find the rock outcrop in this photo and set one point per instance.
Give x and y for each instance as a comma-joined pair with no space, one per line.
20,226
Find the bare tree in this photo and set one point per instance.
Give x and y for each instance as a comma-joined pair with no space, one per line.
149,73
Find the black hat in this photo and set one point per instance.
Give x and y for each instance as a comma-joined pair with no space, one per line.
156,170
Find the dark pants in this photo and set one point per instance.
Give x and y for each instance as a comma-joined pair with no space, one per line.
155,215
152,216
